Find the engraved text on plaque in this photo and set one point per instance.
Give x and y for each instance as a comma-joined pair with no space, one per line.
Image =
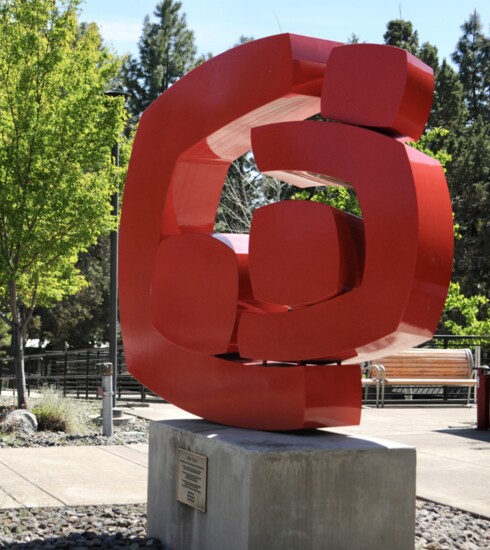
191,479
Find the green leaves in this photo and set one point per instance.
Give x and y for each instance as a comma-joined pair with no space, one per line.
56,131
430,144
339,197
470,314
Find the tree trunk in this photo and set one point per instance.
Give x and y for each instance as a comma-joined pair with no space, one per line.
20,375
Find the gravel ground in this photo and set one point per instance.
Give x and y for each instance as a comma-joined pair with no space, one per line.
76,527
134,433
444,528
137,432
437,527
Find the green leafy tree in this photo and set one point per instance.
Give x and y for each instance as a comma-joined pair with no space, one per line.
167,52
338,197
82,320
466,315
79,321
5,338
56,128
429,144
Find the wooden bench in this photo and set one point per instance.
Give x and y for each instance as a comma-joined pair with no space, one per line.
428,367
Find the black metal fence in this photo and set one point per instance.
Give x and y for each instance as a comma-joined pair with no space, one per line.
74,372
462,341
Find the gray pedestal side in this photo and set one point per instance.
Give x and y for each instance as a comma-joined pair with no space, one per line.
297,491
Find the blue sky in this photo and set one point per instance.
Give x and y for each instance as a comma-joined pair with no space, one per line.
218,24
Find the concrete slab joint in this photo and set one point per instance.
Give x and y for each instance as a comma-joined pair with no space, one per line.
308,490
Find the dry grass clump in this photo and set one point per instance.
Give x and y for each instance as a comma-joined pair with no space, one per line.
57,413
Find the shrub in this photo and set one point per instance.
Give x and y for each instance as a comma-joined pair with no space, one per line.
57,413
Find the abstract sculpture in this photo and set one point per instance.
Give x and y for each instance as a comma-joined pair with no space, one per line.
267,331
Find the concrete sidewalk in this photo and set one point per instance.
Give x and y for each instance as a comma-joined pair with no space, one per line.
453,461
69,476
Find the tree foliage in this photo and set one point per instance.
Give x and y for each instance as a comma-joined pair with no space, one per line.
457,134
472,55
460,117
466,315
469,180
449,109
401,33
82,320
56,128
79,321
341,198
167,52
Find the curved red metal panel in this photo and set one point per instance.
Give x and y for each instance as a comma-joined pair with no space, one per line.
200,314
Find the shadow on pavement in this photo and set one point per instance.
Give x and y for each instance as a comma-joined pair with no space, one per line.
469,433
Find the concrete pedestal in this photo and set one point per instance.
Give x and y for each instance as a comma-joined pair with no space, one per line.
297,491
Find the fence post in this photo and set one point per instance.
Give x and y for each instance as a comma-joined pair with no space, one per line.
87,371
107,395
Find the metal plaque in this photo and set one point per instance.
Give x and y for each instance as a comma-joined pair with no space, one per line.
192,472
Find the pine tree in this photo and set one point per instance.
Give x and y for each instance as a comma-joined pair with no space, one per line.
429,55
469,172
469,181
400,33
472,55
449,110
167,51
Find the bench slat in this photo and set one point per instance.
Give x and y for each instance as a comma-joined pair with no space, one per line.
431,381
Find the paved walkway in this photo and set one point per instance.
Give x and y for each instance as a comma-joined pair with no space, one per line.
453,461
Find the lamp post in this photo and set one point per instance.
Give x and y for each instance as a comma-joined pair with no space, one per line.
114,253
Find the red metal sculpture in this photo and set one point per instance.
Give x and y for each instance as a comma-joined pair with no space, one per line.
267,331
